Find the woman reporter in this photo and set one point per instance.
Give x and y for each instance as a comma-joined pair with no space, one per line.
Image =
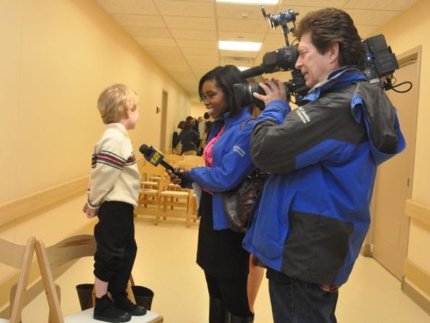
228,163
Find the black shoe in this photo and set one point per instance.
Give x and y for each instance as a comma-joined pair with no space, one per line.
105,310
122,302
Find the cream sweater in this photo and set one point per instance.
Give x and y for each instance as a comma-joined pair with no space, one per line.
114,173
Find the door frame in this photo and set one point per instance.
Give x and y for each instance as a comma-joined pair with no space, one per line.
404,59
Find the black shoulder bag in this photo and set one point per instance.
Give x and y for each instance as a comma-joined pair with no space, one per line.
239,203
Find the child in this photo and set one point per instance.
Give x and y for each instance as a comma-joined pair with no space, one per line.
113,193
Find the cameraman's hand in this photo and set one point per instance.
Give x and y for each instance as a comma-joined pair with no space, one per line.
274,90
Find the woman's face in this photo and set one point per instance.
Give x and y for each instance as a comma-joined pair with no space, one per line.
214,98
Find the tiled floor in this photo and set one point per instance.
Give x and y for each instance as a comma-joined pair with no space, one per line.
166,264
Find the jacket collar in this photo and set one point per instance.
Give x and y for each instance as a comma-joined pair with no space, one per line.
337,79
239,118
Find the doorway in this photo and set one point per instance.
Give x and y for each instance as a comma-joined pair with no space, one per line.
393,186
163,126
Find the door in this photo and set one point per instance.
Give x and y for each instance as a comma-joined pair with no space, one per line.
164,100
394,179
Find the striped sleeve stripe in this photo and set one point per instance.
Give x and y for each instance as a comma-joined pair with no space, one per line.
109,159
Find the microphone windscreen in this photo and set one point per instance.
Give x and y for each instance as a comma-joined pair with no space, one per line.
144,149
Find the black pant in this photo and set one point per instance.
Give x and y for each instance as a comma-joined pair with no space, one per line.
232,292
116,247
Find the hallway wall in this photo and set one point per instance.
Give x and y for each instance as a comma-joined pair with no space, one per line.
57,56
408,31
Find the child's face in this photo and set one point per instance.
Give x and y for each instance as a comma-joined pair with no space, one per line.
133,115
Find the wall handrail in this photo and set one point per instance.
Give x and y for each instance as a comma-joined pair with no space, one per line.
40,201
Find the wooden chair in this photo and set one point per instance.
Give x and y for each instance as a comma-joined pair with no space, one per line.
173,159
150,189
173,201
19,257
52,258
188,163
152,173
191,161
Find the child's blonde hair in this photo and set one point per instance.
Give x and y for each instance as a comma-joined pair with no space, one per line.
115,101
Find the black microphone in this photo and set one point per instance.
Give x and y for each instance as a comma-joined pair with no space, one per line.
155,157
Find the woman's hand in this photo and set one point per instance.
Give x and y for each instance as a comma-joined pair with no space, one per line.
175,179
274,90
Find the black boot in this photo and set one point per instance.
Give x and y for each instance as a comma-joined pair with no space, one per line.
121,301
240,319
217,313
105,310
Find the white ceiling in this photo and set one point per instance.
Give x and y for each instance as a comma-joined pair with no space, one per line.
182,35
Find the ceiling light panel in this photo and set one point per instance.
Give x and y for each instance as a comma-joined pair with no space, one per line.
243,46
267,2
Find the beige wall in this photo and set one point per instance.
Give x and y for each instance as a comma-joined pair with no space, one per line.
406,32
198,109
56,57
410,30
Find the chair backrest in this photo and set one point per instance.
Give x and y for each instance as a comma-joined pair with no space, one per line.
149,169
20,257
190,161
52,258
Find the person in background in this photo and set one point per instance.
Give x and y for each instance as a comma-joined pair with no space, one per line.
313,213
189,138
228,162
196,124
176,139
112,195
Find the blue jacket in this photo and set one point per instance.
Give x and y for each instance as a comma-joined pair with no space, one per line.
232,163
313,214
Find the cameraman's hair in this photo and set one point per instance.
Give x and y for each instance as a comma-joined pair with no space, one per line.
225,77
330,25
115,101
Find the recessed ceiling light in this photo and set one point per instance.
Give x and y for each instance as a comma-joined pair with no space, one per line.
243,46
268,2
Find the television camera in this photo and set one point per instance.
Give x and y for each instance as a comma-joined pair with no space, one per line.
379,66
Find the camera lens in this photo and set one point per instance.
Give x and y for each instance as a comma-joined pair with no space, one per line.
243,93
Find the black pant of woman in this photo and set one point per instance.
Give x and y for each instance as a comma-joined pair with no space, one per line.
226,267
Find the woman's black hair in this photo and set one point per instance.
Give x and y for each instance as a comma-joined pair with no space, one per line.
225,77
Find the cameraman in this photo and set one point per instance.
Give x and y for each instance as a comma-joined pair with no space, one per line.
313,213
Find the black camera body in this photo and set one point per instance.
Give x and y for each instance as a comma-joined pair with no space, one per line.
380,61
380,64
282,59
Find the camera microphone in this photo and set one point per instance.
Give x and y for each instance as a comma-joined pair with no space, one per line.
252,71
155,157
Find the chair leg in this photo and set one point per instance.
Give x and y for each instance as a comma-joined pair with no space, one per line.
157,212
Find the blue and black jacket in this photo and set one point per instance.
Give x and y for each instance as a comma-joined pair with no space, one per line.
232,162
313,214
